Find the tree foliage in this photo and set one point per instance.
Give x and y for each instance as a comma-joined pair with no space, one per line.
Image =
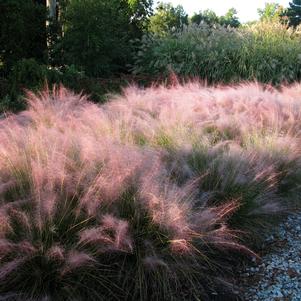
294,13
272,12
22,32
140,11
230,18
167,18
97,35
209,17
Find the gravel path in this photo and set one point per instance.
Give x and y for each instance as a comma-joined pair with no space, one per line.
278,276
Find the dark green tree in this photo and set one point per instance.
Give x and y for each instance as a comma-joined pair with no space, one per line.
22,32
96,36
140,11
294,13
207,16
230,18
167,18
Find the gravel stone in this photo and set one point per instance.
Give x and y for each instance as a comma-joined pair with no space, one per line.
278,273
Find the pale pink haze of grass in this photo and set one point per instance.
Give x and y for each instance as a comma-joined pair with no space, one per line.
64,148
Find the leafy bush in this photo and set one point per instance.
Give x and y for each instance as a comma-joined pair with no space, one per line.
28,74
267,52
25,74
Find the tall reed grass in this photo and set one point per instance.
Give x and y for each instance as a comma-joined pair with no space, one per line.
145,197
266,51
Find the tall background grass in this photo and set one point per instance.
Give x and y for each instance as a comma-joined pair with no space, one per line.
265,51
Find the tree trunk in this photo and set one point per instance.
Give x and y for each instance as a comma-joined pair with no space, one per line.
51,5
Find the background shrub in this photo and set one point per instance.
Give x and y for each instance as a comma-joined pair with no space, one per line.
267,52
25,74
29,74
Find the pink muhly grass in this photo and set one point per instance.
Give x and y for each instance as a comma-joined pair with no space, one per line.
56,252
5,226
112,235
5,246
120,229
10,267
76,259
153,262
168,206
102,198
48,107
180,246
249,106
21,217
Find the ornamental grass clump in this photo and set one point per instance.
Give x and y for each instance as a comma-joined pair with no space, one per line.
145,197
267,51
241,142
86,217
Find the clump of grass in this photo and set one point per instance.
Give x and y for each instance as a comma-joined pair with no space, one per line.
87,217
219,54
142,198
240,141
